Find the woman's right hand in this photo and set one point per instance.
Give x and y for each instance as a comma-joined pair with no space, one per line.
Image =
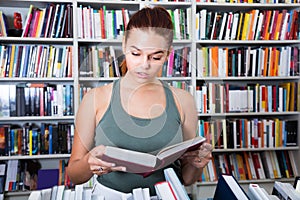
98,166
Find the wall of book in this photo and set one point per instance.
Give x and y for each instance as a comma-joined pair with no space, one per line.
37,100
240,59
247,90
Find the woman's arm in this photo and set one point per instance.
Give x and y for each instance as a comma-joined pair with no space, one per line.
86,160
192,162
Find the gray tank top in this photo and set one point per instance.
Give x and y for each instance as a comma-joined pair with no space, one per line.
118,128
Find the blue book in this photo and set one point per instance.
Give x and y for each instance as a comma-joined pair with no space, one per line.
47,178
229,188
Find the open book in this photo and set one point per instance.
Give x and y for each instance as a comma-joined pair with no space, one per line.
144,163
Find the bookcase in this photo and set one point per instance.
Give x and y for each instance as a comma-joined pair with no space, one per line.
238,83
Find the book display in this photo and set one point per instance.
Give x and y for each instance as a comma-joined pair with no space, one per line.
240,59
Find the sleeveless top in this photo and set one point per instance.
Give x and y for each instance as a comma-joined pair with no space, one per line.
118,128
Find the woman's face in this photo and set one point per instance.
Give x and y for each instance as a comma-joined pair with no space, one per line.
145,53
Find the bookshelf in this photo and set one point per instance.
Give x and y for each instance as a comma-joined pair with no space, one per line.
83,79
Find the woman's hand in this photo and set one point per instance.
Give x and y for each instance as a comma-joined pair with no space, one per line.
199,158
98,166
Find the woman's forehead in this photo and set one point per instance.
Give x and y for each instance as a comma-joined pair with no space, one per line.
146,39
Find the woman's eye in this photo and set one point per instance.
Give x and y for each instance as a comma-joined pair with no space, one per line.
156,57
135,53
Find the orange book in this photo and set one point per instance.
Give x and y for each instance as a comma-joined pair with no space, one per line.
265,64
248,169
251,24
278,26
214,61
276,62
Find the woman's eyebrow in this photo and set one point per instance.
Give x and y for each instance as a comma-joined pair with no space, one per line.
156,52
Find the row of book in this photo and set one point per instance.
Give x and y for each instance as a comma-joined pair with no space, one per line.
178,64
43,61
36,99
251,25
170,189
33,139
249,61
28,175
54,21
249,133
103,23
251,165
228,187
233,98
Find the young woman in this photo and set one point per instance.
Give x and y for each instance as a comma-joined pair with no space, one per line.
137,112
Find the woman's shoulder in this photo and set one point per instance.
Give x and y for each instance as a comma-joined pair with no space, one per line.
181,93
99,91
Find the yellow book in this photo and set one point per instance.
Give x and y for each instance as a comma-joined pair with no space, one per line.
50,61
292,99
11,60
246,26
277,132
30,142
240,26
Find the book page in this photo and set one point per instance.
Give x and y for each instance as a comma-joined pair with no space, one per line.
235,187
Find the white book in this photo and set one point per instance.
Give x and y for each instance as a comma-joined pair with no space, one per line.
87,194
79,192
235,22
223,25
96,24
60,192
284,26
164,191
79,22
137,194
259,25
255,192
146,194
35,195
67,194
203,14
120,25
177,186
189,22
200,62
228,26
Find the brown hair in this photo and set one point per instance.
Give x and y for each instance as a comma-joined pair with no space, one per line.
156,19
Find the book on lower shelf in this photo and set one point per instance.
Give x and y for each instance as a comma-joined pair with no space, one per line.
229,188
144,163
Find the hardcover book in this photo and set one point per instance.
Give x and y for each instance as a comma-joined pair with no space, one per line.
144,163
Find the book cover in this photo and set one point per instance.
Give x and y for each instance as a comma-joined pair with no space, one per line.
164,190
145,164
176,185
229,188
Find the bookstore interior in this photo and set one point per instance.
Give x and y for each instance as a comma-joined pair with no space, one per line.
240,59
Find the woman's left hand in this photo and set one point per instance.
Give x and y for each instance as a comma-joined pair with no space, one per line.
199,158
